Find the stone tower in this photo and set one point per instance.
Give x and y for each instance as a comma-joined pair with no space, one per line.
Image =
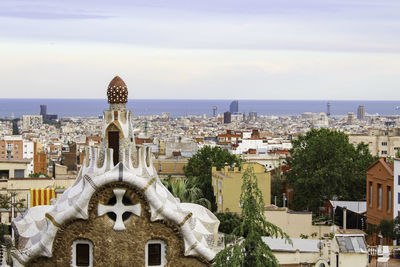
118,131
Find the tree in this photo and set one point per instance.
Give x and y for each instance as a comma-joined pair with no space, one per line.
6,203
3,231
251,250
186,190
277,184
386,227
228,222
324,166
200,167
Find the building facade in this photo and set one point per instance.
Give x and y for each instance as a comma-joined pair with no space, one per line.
227,186
380,143
361,113
11,147
380,192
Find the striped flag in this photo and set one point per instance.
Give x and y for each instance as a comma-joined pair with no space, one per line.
41,196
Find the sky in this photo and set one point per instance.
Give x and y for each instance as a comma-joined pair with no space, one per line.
208,49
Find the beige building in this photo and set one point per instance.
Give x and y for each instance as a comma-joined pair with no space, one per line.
296,223
381,143
227,186
170,166
10,168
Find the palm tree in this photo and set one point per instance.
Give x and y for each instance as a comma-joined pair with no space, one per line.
187,191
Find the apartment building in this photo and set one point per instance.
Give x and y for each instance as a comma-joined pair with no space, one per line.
380,191
11,147
381,143
227,186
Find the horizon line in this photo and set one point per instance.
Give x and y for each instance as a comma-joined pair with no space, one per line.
202,99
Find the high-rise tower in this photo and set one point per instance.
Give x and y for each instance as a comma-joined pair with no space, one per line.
43,111
361,113
328,109
234,107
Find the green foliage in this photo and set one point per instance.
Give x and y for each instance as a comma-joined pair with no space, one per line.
303,236
200,167
324,166
3,231
187,191
314,234
250,249
5,203
386,227
372,229
38,174
321,219
277,185
398,153
228,222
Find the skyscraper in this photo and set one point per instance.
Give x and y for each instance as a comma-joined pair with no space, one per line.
234,107
43,110
227,117
361,113
328,111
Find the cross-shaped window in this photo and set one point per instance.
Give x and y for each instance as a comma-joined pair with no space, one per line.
118,209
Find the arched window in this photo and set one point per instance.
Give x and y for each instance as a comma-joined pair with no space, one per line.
82,253
155,253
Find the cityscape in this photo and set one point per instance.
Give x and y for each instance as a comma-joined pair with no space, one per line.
200,133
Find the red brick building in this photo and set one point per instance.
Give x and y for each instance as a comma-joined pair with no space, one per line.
379,192
39,160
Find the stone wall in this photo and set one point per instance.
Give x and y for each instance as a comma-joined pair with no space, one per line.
118,248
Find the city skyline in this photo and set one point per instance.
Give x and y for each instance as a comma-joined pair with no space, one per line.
335,50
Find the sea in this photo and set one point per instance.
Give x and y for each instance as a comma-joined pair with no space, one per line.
184,107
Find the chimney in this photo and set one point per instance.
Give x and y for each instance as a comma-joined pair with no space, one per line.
344,219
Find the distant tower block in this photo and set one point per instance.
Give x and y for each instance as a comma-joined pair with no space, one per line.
214,111
43,110
328,111
234,107
361,113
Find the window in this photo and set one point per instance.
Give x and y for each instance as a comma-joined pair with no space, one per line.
155,253
389,198
220,200
19,173
379,196
384,143
398,179
398,198
384,152
219,186
82,253
370,193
